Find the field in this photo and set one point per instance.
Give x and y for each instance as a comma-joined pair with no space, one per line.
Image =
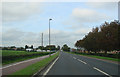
10,56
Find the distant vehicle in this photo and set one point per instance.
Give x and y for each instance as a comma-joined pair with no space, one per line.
39,50
29,49
48,50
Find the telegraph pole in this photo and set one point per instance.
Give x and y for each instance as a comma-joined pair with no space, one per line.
42,42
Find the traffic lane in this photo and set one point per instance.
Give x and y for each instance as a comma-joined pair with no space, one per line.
67,65
110,68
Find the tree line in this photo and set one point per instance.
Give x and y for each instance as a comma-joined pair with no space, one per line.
49,47
104,38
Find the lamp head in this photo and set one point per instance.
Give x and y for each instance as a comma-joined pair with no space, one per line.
50,19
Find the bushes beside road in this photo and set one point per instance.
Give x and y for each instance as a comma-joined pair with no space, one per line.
101,54
9,56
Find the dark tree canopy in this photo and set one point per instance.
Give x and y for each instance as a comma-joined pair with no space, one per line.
105,38
65,48
26,46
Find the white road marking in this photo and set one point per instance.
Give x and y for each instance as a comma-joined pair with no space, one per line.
74,57
82,61
50,67
102,71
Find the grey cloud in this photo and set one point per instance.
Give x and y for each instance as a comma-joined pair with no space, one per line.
14,11
88,16
12,35
103,5
19,38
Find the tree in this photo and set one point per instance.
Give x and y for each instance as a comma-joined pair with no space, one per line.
50,47
26,46
58,47
31,46
41,47
20,48
65,48
12,47
105,38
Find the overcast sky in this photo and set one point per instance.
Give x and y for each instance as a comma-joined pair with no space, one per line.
23,22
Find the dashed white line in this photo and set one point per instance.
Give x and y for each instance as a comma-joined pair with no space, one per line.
102,71
74,57
82,61
50,67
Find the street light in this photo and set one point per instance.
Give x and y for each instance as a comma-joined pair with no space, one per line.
49,33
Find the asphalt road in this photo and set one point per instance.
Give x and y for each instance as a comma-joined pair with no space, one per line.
70,64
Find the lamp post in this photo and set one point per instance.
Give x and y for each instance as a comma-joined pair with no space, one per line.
49,34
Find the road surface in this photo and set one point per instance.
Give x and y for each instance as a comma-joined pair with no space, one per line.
70,64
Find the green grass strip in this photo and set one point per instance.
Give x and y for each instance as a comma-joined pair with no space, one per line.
30,70
99,57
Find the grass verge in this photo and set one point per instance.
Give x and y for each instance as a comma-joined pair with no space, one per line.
30,70
99,57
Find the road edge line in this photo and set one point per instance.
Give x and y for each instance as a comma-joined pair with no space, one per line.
102,71
37,73
50,66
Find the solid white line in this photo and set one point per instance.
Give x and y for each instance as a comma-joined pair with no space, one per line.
102,71
82,61
50,67
74,57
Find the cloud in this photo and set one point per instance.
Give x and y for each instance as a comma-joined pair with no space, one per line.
81,17
15,11
102,0
83,31
20,38
12,35
103,5
23,0
88,16
60,0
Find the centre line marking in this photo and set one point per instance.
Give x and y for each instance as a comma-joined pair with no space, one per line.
74,57
82,61
102,71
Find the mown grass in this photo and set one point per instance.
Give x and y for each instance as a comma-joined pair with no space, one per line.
99,57
13,53
10,56
30,70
